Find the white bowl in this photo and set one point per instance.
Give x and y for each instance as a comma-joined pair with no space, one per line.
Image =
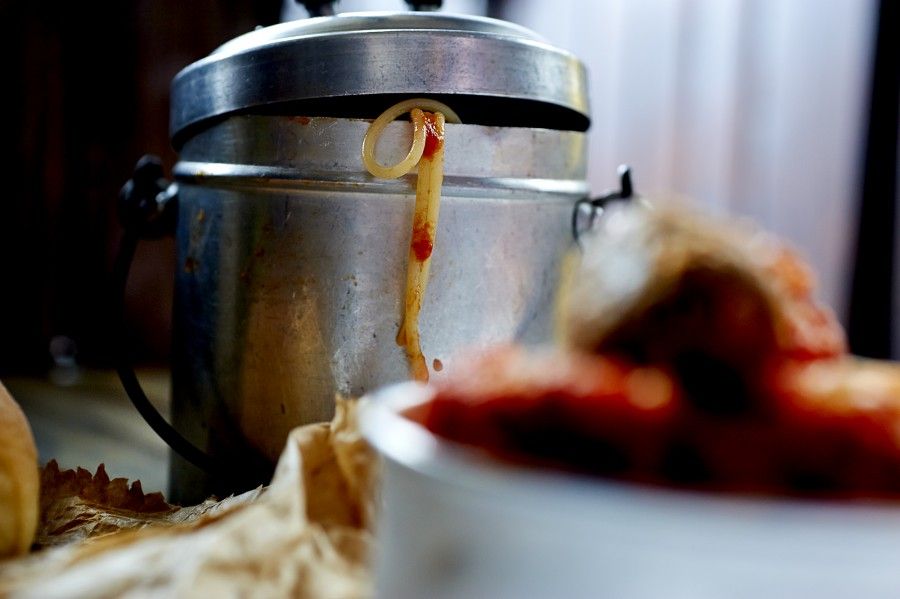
457,524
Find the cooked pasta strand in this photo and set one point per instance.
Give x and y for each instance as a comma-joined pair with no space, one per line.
428,152
415,106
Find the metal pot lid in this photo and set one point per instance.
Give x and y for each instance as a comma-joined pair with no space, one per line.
356,64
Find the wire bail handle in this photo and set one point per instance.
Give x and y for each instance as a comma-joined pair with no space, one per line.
148,209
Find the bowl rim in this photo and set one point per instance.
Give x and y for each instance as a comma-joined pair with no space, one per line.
414,448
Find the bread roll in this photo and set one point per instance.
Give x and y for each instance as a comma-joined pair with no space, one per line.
19,482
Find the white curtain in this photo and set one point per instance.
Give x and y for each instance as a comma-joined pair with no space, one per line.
754,107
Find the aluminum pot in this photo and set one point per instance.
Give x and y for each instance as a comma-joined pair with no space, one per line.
455,523
291,273
291,258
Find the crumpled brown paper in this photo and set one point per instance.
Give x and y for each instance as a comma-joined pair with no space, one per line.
77,505
309,534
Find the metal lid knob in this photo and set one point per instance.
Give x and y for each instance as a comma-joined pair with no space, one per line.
319,8
424,5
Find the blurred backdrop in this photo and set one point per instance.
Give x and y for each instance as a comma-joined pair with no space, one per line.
755,107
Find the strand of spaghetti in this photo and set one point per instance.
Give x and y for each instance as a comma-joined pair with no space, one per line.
412,158
430,160
414,106
425,217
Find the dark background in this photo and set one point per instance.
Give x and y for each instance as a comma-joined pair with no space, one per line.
87,94
872,315
87,88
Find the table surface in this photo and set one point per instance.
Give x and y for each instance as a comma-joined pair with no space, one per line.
83,418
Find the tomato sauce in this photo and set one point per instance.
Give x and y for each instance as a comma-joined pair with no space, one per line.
422,243
434,140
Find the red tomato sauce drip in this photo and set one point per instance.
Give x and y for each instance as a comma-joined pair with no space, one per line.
422,241
433,139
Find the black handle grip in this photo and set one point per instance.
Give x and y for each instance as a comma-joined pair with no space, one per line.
589,208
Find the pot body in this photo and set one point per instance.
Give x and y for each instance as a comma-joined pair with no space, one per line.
292,265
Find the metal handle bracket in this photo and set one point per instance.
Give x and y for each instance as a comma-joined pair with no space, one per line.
587,210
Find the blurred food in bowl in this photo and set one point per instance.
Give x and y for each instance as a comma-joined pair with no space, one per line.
693,353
